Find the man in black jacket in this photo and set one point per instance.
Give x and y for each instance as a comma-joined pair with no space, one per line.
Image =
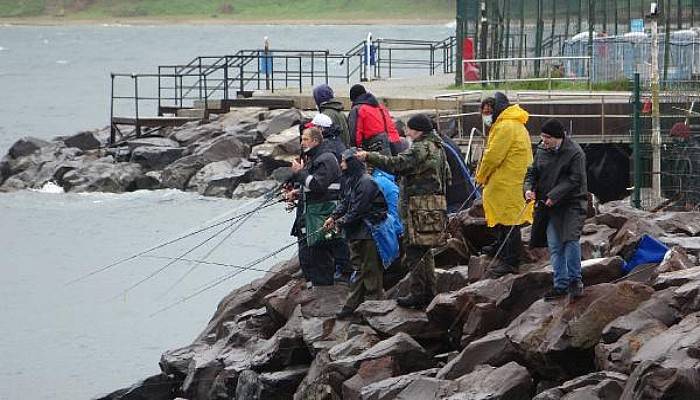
362,203
557,181
318,177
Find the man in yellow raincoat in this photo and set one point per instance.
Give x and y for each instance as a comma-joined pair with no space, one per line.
501,172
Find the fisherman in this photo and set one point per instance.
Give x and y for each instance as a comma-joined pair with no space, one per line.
501,173
486,109
333,143
362,205
370,124
556,180
426,175
328,105
317,174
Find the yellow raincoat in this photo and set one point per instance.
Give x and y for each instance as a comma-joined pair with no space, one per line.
502,169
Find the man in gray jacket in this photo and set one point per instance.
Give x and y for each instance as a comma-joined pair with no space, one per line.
557,181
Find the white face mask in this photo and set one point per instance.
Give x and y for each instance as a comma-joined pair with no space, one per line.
488,119
409,141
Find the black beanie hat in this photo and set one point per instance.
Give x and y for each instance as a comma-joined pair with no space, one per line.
356,91
420,122
553,128
501,103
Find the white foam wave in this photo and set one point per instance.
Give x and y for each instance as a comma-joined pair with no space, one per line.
50,187
62,62
2,48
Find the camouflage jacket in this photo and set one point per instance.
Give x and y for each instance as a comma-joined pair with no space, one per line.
425,176
423,167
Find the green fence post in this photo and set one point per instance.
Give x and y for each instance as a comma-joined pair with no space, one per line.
637,127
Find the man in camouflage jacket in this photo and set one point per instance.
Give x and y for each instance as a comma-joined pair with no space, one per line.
425,177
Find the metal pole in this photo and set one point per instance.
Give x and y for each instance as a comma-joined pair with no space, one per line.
325,62
112,133
667,40
656,123
226,79
637,174
200,77
159,90
390,66
591,22
459,33
136,104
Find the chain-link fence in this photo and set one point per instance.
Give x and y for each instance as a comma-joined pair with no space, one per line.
669,172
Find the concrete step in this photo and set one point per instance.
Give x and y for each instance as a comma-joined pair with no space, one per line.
192,113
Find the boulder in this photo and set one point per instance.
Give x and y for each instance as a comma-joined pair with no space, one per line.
102,177
87,140
426,388
676,278
4,170
316,384
358,339
606,385
200,376
26,146
446,280
625,240
408,354
557,338
370,371
156,387
388,389
219,178
595,240
685,223
508,382
279,150
255,189
675,259
690,244
279,385
285,348
494,349
155,157
224,147
153,141
277,121
178,174
387,318
668,365
281,303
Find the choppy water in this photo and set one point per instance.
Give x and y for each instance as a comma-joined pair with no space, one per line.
68,342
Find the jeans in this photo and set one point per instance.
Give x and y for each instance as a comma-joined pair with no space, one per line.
565,258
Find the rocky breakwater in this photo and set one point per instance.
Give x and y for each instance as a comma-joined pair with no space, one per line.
225,157
628,337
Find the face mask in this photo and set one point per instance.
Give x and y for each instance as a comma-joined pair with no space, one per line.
488,119
409,141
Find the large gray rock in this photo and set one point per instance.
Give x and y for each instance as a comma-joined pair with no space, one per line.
493,349
219,178
155,157
102,177
622,338
87,140
26,146
668,365
370,371
277,121
557,338
388,389
285,348
686,223
446,280
359,338
604,385
279,385
317,382
224,147
625,240
178,174
508,382
156,387
676,278
254,189
595,240
153,141
279,150
386,317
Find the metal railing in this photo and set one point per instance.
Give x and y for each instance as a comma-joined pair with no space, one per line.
529,69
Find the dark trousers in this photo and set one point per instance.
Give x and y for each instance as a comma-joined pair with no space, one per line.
317,263
421,263
368,285
341,255
510,253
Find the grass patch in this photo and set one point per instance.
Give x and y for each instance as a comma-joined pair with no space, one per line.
316,10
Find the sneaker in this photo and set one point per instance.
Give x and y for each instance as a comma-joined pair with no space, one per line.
576,289
345,313
554,294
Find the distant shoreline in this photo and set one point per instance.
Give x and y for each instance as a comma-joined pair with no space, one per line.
59,21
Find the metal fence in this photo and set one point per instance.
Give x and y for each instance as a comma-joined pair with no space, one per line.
667,171
619,57
528,69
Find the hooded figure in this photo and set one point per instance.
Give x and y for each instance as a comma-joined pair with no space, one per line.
362,205
501,172
327,104
370,124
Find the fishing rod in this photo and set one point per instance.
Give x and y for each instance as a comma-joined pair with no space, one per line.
224,278
169,242
204,262
209,253
168,264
